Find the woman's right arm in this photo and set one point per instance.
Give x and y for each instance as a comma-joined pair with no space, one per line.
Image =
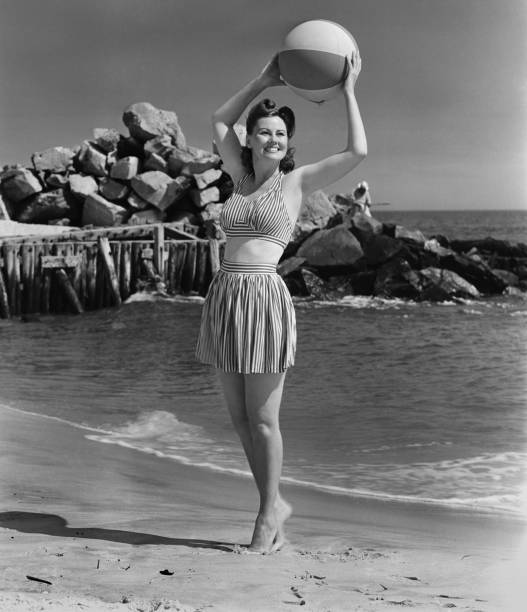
227,115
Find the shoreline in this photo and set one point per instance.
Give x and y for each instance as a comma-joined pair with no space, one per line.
70,509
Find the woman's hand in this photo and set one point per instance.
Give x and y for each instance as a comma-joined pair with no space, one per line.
353,71
270,75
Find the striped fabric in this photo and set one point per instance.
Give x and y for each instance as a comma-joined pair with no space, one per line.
263,217
248,321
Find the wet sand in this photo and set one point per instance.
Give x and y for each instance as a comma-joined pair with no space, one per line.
112,528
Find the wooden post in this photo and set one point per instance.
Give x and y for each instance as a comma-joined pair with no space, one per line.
64,281
201,267
159,249
214,249
126,269
5,312
147,256
189,268
27,278
91,274
46,283
179,264
37,278
109,266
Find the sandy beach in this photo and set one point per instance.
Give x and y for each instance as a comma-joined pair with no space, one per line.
92,526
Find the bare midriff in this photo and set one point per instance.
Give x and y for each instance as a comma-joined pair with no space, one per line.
252,250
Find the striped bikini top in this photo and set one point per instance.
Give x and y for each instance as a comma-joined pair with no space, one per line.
264,216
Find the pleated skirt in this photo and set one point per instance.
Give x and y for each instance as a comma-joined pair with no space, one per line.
248,321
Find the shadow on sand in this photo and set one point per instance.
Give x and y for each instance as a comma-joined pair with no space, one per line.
51,524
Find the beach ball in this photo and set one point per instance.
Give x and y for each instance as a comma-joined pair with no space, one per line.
312,60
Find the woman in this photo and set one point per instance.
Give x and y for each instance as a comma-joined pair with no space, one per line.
248,323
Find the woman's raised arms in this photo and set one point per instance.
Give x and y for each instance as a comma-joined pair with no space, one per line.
320,174
225,117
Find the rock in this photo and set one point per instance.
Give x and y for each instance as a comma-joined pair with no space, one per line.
477,273
43,207
521,271
290,265
333,247
202,198
364,227
439,285
160,145
20,185
155,162
490,245
159,189
149,215
136,202
183,216
363,282
90,160
380,248
100,212
145,121
82,186
509,278
315,286
396,279
433,246
113,190
125,168
191,160
204,179
129,147
211,212
213,231
315,213
406,234
56,159
4,213
65,222
57,181
106,139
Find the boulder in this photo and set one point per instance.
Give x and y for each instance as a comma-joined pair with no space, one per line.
136,202
129,147
433,246
20,185
191,160
183,216
380,248
106,139
125,168
100,212
113,190
57,181
439,285
144,121
90,160
509,278
490,245
477,273
364,227
204,197
155,162
4,213
210,176
43,207
82,185
160,145
403,233
289,265
333,247
315,213
396,279
211,212
149,215
159,189
56,159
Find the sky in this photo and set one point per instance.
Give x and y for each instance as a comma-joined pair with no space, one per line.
442,92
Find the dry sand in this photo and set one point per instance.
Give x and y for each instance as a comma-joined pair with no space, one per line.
102,522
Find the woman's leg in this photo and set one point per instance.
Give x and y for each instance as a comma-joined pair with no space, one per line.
234,391
263,395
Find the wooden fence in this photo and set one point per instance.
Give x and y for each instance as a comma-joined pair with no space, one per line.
100,268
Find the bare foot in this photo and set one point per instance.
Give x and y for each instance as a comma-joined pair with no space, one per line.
283,511
264,535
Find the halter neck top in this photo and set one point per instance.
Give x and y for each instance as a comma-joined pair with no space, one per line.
264,216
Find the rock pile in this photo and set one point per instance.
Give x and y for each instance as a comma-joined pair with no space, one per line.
334,254
151,175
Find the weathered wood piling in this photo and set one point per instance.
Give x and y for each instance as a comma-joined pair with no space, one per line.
91,269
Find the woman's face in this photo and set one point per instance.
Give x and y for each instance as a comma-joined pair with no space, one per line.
268,139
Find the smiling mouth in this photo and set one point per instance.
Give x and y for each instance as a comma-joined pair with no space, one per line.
272,149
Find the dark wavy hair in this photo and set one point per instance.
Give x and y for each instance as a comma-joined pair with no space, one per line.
268,108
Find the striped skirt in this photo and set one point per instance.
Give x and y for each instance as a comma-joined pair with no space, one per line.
248,321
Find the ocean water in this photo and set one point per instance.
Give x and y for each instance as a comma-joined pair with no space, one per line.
388,399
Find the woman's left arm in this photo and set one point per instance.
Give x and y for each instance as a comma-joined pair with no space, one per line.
326,171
